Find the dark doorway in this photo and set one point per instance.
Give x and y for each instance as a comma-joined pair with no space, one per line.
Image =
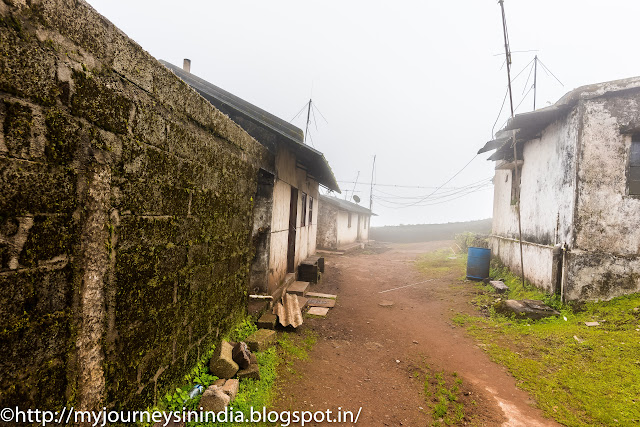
291,247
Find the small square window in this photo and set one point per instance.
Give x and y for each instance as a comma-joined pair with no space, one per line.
515,188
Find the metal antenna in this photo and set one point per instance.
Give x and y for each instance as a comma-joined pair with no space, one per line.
306,131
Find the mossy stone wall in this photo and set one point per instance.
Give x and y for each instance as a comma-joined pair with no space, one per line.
125,214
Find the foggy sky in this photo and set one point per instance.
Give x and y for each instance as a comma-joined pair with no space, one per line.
417,83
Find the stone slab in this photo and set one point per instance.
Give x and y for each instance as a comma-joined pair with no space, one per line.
321,295
261,339
529,309
298,288
267,321
385,303
318,311
252,372
592,323
321,302
499,286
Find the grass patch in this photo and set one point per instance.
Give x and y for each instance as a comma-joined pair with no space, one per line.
579,375
442,394
440,263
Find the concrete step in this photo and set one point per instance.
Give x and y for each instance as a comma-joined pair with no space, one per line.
298,288
321,295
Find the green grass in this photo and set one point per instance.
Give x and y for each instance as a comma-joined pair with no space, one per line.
437,264
579,375
442,394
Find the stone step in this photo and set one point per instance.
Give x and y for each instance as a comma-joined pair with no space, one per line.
298,288
321,302
302,302
267,321
321,295
318,311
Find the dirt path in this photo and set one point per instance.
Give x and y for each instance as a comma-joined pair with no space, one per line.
355,360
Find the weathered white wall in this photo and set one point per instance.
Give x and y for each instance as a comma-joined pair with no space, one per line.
537,260
364,228
327,227
605,263
346,234
546,201
288,175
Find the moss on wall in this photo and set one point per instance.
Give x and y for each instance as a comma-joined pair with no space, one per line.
176,180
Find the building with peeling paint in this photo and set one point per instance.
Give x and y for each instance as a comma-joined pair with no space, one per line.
579,192
286,203
342,223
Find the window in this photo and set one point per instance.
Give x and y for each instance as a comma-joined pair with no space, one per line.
634,166
349,221
310,210
515,188
303,218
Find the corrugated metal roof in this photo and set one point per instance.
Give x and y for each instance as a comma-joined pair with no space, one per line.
345,205
529,125
284,132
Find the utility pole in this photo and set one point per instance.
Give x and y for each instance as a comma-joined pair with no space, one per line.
515,150
371,188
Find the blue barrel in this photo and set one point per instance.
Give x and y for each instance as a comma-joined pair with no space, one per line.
478,260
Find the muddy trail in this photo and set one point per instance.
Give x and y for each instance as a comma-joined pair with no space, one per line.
378,350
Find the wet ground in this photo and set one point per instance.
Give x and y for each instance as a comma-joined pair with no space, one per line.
374,356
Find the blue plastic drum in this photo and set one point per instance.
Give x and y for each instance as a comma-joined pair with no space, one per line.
478,260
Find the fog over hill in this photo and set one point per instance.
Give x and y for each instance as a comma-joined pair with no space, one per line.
428,232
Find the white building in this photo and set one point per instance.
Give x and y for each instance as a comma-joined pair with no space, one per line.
285,215
342,223
579,162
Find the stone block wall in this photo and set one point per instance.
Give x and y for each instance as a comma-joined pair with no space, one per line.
125,214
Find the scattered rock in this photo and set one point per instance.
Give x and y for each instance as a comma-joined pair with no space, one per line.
230,388
261,339
252,372
592,323
578,339
386,303
415,342
219,382
222,364
253,359
242,355
214,399
530,309
499,286
397,361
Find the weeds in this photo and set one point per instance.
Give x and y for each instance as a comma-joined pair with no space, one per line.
442,393
579,375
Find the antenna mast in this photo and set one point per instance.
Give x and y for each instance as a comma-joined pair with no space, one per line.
535,75
306,131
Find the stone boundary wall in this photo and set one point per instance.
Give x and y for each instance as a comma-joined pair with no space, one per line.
125,214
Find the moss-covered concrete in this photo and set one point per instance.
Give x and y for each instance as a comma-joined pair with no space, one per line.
125,215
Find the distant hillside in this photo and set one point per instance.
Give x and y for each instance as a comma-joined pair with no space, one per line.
428,232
